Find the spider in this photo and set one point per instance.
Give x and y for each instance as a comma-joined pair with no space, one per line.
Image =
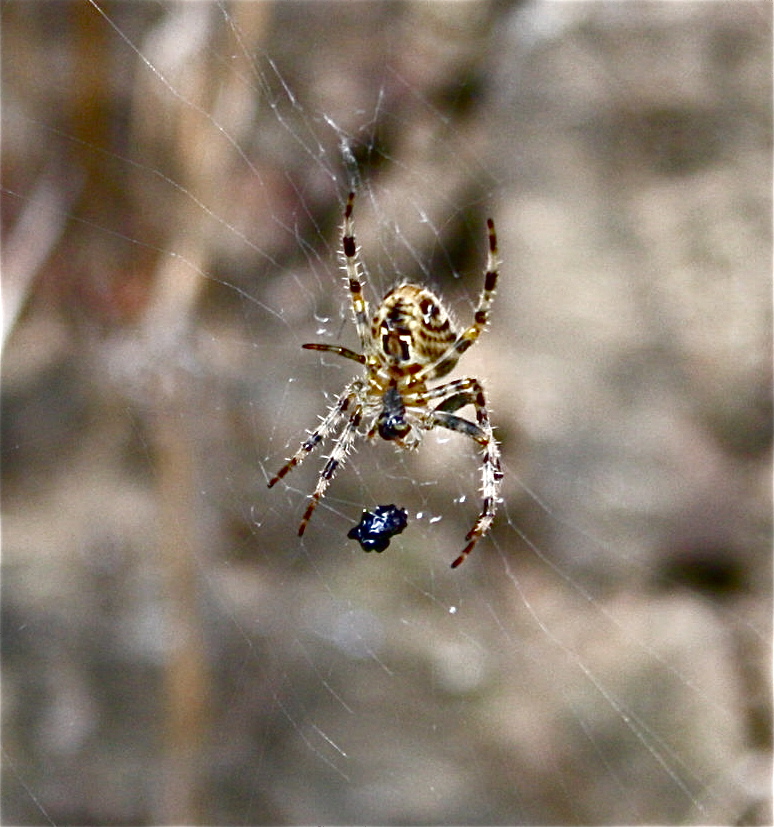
410,341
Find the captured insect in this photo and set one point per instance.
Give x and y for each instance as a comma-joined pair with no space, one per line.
409,341
376,528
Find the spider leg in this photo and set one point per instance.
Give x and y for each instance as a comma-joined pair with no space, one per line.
454,402
359,304
328,424
341,351
458,394
352,267
459,424
339,452
468,337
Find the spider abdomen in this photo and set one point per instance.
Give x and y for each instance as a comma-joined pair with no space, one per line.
413,330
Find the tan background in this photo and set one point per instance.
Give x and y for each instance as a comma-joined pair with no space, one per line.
173,181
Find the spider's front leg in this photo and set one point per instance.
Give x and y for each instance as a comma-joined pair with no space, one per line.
458,394
341,448
329,423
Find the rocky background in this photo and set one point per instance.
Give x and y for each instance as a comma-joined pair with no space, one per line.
173,180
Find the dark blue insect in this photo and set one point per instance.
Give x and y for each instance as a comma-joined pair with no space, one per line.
376,527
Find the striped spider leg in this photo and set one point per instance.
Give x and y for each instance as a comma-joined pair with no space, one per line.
347,405
456,395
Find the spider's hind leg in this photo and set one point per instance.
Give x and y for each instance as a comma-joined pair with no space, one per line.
354,279
470,335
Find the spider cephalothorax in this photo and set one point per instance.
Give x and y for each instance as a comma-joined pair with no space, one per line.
409,341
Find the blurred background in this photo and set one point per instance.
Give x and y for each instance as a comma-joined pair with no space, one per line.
173,179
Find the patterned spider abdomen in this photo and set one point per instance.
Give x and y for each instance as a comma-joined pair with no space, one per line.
413,330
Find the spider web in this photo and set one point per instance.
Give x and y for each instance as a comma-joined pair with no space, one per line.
174,178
